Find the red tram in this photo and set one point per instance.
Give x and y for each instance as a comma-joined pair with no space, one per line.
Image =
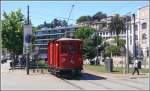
65,55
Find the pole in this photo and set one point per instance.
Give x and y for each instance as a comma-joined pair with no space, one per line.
28,15
97,46
28,53
134,42
69,18
27,64
127,44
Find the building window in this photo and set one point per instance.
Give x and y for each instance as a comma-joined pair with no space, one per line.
136,27
144,25
144,36
136,37
130,40
106,33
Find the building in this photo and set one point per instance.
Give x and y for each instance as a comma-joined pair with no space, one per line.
45,35
140,45
143,31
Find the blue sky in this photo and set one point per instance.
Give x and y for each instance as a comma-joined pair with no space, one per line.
41,11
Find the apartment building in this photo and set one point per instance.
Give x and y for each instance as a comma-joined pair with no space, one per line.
143,31
45,35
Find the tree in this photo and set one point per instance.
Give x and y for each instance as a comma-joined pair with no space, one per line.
89,50
117,25
99,15
84,33
121,42
84,19
54,23
90,40
12,31
97,40
112,49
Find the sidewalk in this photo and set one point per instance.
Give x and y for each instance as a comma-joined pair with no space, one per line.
110,75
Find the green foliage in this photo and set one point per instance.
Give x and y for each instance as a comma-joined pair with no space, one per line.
84,33
90,43
97,40
89,50
116,70
117,24
121,42
115,49
12,31
112,49
42,64
84,18
54,23
99,15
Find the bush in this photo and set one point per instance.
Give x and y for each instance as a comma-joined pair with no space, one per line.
112,49
40,64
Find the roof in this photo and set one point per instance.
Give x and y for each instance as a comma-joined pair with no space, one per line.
104,30
57,28
67,39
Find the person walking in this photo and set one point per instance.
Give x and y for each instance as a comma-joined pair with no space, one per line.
135,65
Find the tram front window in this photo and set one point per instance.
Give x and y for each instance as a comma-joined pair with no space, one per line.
70,49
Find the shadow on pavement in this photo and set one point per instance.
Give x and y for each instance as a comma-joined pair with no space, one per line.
84,76
88,76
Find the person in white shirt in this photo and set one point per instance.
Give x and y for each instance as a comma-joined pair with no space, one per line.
135,65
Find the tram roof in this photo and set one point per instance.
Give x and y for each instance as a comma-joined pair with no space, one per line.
65,39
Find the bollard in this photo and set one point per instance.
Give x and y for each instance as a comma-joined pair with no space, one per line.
33,70
42,70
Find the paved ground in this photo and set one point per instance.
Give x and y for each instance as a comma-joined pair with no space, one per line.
18,80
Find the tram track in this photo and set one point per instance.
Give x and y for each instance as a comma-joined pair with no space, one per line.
74,85
136,82
103,86
112,81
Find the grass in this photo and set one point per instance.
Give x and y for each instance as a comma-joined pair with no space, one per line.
116,70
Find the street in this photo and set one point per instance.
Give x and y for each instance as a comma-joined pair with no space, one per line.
18,80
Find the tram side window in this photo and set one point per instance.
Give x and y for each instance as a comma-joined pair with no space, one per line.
64,49
69,48
72,49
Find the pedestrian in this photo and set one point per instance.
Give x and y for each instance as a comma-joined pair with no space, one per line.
135,65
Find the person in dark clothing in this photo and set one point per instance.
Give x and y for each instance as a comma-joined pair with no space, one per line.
23,60
135,65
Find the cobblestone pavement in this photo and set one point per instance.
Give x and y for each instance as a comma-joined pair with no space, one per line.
18,80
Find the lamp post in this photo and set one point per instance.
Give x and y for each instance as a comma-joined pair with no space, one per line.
127,42
27,40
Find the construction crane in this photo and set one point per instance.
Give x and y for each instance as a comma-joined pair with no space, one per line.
72,7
